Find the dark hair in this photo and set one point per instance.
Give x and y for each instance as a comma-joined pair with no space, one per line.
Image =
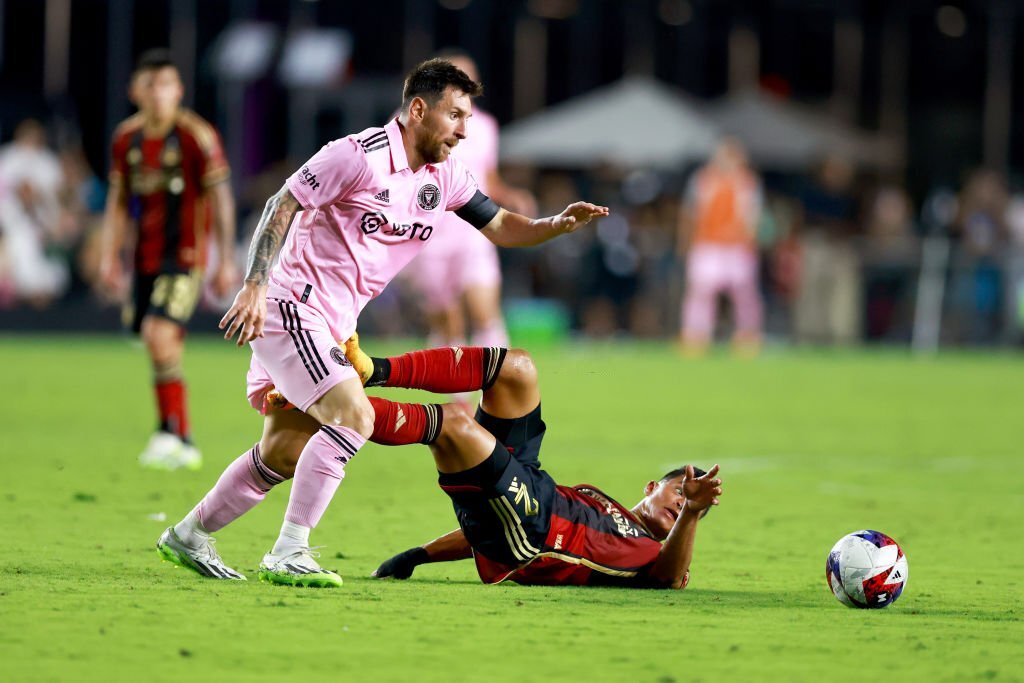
431,78
680,471
154,58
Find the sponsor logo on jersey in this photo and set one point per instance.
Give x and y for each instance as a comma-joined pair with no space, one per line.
309,178
622,525
372,221
428,197
384,196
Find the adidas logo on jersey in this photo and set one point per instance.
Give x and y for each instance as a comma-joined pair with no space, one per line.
384,196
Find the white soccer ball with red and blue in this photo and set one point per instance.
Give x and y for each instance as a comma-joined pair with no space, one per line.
866,569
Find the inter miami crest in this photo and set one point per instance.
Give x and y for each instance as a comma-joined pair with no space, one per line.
428,197
338,356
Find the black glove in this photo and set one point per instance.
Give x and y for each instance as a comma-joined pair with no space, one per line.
401,565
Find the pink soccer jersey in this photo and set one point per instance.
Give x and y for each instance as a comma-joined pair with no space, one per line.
365,215
459,257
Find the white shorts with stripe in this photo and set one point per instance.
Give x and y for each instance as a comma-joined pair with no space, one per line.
297,354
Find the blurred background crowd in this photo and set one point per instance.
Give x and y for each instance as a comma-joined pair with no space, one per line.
789,171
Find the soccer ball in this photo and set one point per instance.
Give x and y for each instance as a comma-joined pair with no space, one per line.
866,569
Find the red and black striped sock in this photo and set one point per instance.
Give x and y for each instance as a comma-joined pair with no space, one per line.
398,424
446,370
171,403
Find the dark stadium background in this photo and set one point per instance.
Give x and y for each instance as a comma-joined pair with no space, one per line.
944,78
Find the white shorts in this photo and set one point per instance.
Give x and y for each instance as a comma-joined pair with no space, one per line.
297,354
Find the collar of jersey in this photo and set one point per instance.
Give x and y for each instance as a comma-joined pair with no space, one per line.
398,158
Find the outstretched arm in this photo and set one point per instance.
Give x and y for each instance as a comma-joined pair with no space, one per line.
509,229
249,310
451,546
672,567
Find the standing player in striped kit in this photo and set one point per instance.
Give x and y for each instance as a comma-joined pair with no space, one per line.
460,269
339,230
168,176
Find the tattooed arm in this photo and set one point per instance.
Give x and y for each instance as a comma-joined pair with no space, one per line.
249,309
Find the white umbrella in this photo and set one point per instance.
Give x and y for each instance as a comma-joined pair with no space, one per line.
786,136
636,122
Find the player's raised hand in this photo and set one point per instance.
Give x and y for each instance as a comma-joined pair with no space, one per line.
701,492
247,314
578,214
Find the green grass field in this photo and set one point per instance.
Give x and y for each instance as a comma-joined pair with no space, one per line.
812,445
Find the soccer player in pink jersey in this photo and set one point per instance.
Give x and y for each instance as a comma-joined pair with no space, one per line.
459,270
328,242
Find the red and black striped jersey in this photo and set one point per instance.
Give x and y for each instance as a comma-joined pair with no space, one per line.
593,539
164,180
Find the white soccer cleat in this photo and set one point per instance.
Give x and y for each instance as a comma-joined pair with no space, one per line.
203,560
161,453
297,569
189,457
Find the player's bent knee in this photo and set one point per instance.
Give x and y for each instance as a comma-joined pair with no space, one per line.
518,371
456,424
359,418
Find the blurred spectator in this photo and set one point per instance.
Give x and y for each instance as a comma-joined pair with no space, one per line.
1015,266
717,237
891,255
829,291
656,306
980,233
780,275
611,276
31,180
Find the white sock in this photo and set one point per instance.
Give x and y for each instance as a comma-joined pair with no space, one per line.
190,530
293,537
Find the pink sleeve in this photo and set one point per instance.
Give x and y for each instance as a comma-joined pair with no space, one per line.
330,175
462,185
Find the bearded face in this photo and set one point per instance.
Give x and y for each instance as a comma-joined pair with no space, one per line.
443,125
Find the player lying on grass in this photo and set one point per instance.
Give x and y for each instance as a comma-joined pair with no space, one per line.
514,520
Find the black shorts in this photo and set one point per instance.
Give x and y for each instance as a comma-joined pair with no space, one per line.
167,295
504,504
